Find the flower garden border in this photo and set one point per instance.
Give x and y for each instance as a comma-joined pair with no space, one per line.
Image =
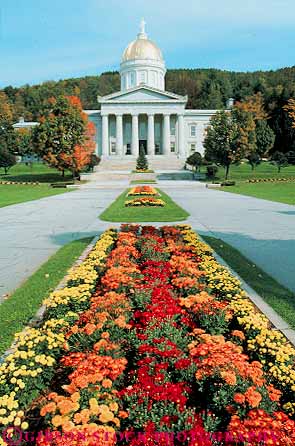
38,317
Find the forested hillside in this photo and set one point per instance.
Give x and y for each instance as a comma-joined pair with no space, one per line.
206,88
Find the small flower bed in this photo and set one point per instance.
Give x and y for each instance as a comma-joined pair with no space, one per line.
270,180
143,190
159,344
145,201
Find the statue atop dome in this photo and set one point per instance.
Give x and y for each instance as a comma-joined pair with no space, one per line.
142,34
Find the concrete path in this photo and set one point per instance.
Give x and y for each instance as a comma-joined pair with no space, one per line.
262,230
31,232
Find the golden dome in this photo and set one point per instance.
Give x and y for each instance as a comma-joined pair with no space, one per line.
142,48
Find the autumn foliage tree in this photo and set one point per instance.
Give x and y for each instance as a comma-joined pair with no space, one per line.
65,136
290,109
254,106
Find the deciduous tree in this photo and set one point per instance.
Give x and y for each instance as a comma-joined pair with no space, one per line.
229,138
265,138
280,160
7,160
65,136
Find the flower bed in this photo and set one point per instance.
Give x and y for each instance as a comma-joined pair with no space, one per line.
270,180
158,342
145,201
143,190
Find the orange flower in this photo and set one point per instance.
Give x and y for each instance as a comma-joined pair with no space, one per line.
107,383
50,407
66,406
106,416
229,377
90,328
253,397
238,334
57,420
239,398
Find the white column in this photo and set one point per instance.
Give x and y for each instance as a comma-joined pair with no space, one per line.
151,136
119,135
181,144
135,141
166,135
105,135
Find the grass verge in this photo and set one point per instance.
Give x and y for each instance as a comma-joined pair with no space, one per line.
36,172
14,193
143,181
279,192
117,212
21,306
281,299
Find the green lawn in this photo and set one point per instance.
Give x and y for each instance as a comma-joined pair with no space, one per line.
15,193
117,212
143,181
243,172
281,192
38,172
281,299
22,305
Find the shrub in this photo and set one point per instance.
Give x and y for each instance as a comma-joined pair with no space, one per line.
211,171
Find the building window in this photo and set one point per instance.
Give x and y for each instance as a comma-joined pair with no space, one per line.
172,147
193,148
193,130
157,149
132,79
142,77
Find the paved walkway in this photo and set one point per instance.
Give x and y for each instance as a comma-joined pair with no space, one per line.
31,232
262,230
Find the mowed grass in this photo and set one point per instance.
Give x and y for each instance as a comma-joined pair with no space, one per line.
281,299
118,212
22,305
143,181
36,173
14,193
280,192
243,172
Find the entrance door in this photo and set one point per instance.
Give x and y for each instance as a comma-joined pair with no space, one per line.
143,143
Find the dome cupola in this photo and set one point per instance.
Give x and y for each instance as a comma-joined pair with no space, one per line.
142,63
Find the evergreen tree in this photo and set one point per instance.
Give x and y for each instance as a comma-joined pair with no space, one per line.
142,162
195,160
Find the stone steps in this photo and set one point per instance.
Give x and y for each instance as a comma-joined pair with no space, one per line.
158,163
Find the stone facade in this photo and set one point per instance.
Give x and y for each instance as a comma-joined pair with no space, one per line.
143,114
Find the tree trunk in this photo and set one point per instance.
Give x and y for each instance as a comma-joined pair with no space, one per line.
252,166
279,168
63,173
227,171
5,171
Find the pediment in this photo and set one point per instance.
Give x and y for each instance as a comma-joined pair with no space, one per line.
142,94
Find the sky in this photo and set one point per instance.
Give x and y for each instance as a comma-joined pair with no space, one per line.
43,40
